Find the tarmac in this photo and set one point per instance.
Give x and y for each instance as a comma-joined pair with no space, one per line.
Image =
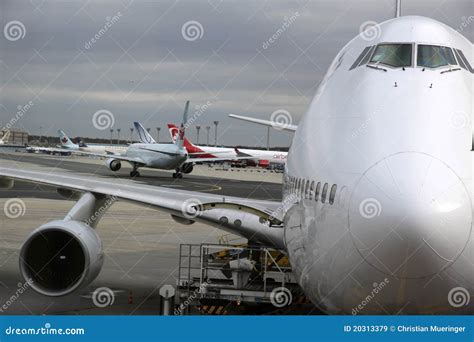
141,245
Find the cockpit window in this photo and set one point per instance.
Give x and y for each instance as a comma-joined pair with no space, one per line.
431,56
359,59
394,55
463,62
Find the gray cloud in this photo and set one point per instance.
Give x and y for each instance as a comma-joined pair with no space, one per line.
142,68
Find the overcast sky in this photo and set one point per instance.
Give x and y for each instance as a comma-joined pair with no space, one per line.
146,65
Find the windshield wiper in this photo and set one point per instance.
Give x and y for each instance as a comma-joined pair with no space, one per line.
450,70
376,67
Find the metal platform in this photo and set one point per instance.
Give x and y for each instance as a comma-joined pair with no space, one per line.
231,274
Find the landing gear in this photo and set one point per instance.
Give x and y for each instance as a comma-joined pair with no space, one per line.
177,174
134,172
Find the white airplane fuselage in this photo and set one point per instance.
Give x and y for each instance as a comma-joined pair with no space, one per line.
396,145
158,156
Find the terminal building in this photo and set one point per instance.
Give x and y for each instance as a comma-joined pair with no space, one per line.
17,137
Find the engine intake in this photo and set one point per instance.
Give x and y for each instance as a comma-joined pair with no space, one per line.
113,164
61,257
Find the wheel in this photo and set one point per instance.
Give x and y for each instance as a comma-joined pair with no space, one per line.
134,173
175,175
180,175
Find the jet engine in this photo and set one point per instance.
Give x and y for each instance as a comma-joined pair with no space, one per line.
187,168
61,257
113,164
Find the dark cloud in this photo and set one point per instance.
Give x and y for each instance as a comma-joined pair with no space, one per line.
143,69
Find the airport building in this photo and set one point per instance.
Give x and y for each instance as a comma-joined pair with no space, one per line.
18,137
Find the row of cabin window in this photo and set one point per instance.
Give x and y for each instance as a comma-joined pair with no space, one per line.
312,190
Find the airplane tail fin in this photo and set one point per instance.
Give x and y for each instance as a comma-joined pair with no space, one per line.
65,141
180,138
5,137
174,135
143,134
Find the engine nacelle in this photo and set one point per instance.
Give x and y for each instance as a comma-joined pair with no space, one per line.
113,164
187,168
61,257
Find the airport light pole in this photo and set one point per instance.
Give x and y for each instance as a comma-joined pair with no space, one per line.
111,135
118,135
131,134
208,129
158,129
268,138
215,133
198,128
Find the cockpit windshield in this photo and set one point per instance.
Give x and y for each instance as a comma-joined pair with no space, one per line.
431,56
394,55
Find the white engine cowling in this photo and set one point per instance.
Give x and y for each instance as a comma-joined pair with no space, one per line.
113,164
61,257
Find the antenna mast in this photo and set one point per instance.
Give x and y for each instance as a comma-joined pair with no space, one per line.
398,9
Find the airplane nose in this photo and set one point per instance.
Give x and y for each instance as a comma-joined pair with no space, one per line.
410,215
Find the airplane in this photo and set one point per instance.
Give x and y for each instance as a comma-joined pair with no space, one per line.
67,143
384,197
5,137
151,154
262,157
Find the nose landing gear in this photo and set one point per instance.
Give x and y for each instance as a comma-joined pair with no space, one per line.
177,174
134,172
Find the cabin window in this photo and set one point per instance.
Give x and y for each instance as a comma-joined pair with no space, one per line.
318,190
332,194
311,191
463,62
431,56
393,55
324,193
306,189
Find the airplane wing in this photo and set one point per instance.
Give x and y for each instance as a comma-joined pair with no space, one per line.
269,123
111,155
257,220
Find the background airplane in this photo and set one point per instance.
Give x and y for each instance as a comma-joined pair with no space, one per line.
67,143
258,157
